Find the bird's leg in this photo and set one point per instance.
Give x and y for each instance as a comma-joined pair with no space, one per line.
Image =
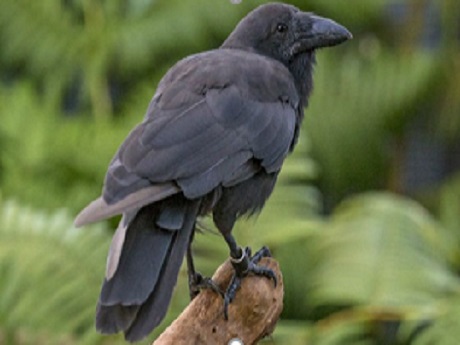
196,281
243,264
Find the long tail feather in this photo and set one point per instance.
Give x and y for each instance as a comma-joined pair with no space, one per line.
154,309
135,299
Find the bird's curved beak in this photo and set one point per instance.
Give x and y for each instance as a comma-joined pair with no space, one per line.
318,32
328,33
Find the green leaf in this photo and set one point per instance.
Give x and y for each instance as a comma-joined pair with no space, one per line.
351,120
445,328
50,275
384,252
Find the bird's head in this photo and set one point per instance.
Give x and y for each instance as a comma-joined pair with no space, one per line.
283,32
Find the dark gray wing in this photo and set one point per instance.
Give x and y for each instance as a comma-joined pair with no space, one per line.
204,145
209,139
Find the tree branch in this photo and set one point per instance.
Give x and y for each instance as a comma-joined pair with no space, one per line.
251,316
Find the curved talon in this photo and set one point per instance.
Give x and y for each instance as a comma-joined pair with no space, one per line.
234,285
198,283
243,266
263,252
266,272
248,251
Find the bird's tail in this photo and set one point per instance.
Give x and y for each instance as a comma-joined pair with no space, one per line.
143,265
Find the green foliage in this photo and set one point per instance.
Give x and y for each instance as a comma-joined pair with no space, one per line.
49,161
48,278
379,259
350,142
402,256
445,329
448,212
93,43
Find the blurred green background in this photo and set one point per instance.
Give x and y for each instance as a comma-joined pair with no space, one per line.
365,219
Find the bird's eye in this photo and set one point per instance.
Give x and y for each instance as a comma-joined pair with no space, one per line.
281,28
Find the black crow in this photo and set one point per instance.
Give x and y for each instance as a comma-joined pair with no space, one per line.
213,141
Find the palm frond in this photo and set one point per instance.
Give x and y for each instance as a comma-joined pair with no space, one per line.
50,275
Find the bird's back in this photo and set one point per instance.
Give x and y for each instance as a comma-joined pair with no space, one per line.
258,77
223,97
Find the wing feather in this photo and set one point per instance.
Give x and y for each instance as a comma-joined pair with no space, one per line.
205,144
221,136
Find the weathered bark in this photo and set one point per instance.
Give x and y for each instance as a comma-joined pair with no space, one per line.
252,314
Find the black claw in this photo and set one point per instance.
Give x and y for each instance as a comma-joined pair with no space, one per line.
243,266
198,283
229,295
263,252
266,272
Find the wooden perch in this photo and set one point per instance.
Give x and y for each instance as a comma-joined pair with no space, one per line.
251,316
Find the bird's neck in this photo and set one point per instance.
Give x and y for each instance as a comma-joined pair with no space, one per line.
301,68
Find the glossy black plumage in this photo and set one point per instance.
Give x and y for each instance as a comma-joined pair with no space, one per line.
213,140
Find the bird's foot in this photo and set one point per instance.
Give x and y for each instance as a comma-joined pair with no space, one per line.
197,283
243,266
